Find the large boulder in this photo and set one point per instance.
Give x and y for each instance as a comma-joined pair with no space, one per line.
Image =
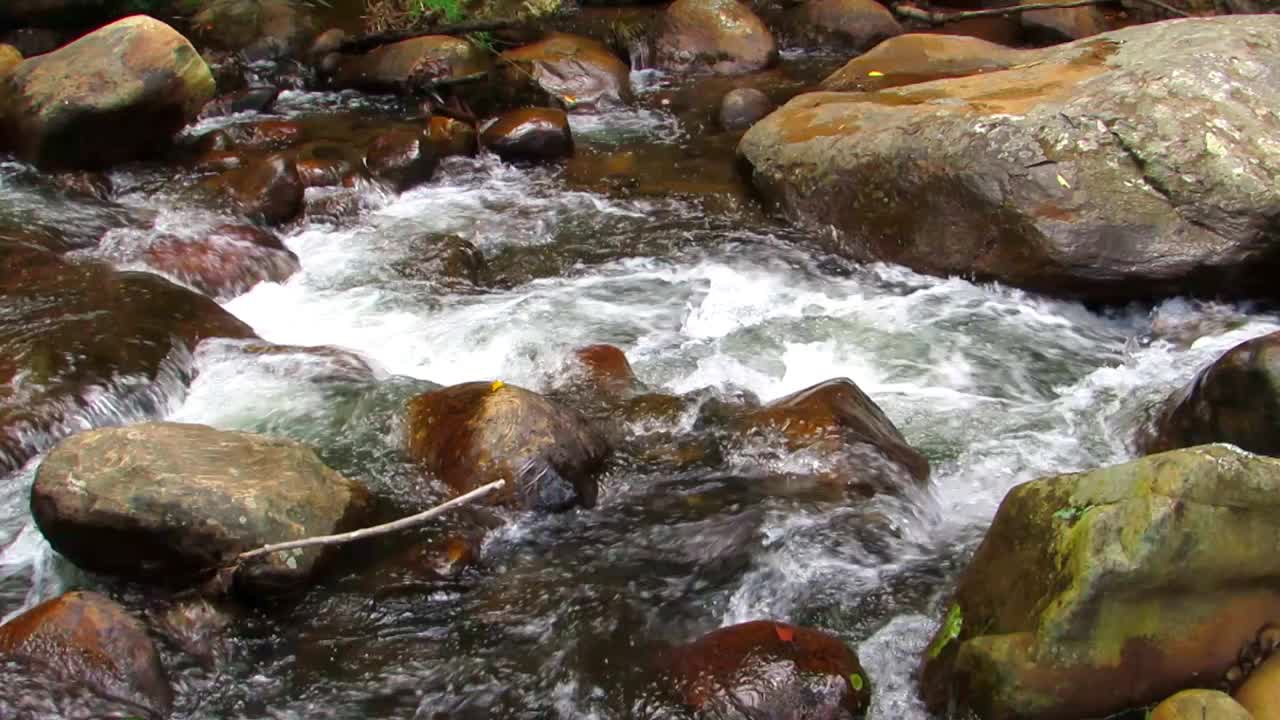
1200,705
173,503
1235,400
1107,590
921,57
223,263
769,670
119,93
412,65
719,36
261,28
1130,165
75,334
88,639
473,434
848,24
576,72
836,421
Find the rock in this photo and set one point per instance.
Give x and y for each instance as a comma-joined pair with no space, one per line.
718,36
743,107
219,265
254,99
147,83
1235,400
529,134
411,65
1085,174
1199,705
919,57
10,58
476,433
1259,696
267,191
326,164
445,258
606,370
81,183
766,669
451,137
97,328
86,638
267,134
401,157
1102,591
185,500
849,24
263,29
837,419
576,72
327,42
1062,24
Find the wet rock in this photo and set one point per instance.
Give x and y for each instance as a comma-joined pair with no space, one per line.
1235,400
198,627
919,57
412,65
10,58
719,36
219,265
451,137
1111,589
1081,174
767,669
1259,696
186,499
1062,24
334,205
267,134
327,42
849,24
1200,705
530,134
575,72
262,29
88,639
254,99
147,83
326,164
743,107
476,433
445,258
836,418
401,158
606,370
82,183
267,190
70,331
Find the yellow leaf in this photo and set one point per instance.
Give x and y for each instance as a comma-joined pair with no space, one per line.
875,73
1063,182
497,385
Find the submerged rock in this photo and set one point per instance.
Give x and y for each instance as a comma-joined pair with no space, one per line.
1200,705
72,331
606,370
576,72
444,258
265,190
920,57
719,36
185,500
88,639
401,157
117,94
451,137
1102,591
1129,165
770,671
529,134
743,107
220,264
1235,400
473,434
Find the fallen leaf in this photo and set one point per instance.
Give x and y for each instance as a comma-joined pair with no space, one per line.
1063,182
785,634
875,73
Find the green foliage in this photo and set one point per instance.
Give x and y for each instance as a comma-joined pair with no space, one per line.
449,10
856,681
1072,513
950,630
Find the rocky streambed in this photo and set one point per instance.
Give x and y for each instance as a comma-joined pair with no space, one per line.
266,286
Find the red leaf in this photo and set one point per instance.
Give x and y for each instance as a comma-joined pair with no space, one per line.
785,634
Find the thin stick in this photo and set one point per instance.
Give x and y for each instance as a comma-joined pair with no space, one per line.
941,18
402,524
368,42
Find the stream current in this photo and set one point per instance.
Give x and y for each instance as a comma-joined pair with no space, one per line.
996,386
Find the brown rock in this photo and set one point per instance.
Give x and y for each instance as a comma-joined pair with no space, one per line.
851,24
1062,24
917,57
606,369
451,137
1235,400
325,164
327,42
96,326
1259,696
719,36
10,58
219,265
86,638
445,258
529,134
766,669
261,29
743,107
412,65
268,191
147,83
267,134
254,99
575,72
401,158
1200,705
476,433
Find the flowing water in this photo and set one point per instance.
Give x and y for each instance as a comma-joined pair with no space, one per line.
559,618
